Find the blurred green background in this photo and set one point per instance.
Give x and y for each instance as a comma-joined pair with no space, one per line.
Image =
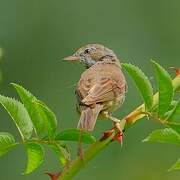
36,34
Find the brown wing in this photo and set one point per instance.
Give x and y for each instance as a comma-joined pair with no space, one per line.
100,83
102,92
99,93
82,90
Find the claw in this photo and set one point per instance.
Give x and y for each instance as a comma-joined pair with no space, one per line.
119,137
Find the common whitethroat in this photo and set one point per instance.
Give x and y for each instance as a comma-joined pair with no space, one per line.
102,86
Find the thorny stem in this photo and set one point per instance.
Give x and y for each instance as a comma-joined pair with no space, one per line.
76,165
137,114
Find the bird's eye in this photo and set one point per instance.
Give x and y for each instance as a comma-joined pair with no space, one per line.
87,51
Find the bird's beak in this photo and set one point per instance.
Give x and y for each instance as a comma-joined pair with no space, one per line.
71,58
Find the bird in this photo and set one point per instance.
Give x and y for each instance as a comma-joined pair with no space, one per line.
102,86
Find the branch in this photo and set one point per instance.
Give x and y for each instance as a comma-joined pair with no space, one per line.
137,114
97,147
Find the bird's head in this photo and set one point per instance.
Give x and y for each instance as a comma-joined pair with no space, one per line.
93,53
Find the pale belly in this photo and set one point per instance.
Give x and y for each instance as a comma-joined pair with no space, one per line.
113,105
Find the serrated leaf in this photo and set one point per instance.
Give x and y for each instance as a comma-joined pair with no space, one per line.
29,102
142,83
175,127
35,154
174,113
166,135
19,115
48,117
175,166
43,118
61,152
74,134
165,89
7,142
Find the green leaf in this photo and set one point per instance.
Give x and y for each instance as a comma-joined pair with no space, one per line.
165,89
42,117
19,115
175,127
7,142
35,154
166,135
142,83
74,134
48,117
29,102
61,152
176,166
174,113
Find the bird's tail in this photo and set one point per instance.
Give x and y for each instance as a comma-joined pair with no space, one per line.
88,117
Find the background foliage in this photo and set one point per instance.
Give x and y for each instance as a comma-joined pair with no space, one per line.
35,35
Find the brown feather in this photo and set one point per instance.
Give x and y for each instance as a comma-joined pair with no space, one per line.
101,87
100,93
88,117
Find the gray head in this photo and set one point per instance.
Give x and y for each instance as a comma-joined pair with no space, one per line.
93,53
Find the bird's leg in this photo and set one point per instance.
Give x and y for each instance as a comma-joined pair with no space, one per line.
116,122
112,118
119,136
80,149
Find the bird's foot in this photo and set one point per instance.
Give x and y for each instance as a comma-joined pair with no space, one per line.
115,120
118,134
